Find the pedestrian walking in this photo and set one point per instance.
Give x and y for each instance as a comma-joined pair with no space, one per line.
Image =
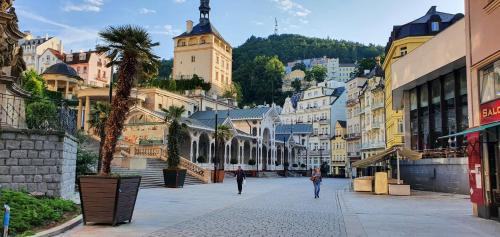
316,179
240,178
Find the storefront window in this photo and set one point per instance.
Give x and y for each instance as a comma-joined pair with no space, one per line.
490,82
464,113
424,116
414,119
449,97
436,110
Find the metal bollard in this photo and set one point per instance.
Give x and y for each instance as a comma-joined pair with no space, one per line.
6,220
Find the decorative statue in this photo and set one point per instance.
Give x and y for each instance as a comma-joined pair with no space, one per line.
11,60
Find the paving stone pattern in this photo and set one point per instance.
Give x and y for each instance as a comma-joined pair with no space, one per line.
274,214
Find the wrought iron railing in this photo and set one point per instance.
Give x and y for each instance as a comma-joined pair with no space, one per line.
13,115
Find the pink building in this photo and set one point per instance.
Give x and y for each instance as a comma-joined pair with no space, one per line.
91,66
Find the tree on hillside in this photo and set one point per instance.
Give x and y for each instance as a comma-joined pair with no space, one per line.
296,85
364,64
319,73
165,69
299,66
260,80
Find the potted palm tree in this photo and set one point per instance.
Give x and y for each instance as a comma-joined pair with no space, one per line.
224,134
107,198
173,176
252,162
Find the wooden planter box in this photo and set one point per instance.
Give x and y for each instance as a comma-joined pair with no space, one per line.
174,178
108,200
220,176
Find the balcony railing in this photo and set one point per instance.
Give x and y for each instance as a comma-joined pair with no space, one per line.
351,136
378,105
353,154
373,145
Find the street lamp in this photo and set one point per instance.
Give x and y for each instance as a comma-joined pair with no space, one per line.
215,158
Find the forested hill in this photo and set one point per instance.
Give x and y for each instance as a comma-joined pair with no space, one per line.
290,47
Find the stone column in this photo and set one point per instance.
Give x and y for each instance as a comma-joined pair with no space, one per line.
209,158
55,85
66,90
87,114
79,118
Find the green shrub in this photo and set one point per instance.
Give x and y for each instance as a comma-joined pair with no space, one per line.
28,212
41,115
251,162
201,159
233,161
86,162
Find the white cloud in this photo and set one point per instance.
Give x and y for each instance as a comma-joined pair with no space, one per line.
74,37
179,1
259,23
293,8
145,11
85,6
168,30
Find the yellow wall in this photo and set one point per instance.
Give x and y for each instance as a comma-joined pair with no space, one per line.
212,60
339,148
394,117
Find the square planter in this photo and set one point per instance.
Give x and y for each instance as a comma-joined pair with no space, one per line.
174,178
399,189
219,176
108,200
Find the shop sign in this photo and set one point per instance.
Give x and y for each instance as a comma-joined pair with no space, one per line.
490,112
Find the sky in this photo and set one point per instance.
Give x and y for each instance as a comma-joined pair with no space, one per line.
77,22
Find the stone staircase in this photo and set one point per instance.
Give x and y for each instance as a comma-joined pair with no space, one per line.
152,176
270,174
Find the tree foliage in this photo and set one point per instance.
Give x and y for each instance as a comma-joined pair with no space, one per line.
317,73
251,57
296,85
261,80
172,116
41,114
33,83
299,66
179,85
364,64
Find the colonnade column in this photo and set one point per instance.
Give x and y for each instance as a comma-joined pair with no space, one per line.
87,114
67,90
79,118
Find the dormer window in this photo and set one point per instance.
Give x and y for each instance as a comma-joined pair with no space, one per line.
83,56
435,26
69,58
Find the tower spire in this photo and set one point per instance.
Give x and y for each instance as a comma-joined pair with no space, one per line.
276,26
204,11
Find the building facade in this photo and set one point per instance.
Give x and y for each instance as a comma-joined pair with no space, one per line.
91,66
320,106
353,122
33,48
202,50
295,75
372,117
335,70
482,23
404,39
432,93
338,146
48,58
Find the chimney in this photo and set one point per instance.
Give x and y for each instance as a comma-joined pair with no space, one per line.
189,26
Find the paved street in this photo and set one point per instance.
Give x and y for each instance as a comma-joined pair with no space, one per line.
286,207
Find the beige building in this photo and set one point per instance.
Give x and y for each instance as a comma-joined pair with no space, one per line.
62,78
339,150
372,117
353,110
201,50
48,58
291,77
33,48
91,66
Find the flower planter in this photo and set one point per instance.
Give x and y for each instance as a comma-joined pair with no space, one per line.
108,200
219,176
174,178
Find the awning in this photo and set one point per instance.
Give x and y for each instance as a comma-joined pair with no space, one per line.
385,155
471,130
373,159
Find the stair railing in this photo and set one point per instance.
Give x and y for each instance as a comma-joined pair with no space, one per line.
204,175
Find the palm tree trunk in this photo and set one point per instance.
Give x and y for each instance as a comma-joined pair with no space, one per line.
119,109
102,136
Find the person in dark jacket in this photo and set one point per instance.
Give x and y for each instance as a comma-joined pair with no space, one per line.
240,176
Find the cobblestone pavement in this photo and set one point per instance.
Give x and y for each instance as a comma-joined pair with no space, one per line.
286,207
288,210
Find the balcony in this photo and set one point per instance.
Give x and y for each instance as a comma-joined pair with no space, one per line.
377,125
353,154
353,136
378,105
351,102
324,121
375,145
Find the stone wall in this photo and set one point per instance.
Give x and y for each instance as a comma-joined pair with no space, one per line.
447,175
38,161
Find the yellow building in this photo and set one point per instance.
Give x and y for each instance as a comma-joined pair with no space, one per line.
339,150
404,39
201,50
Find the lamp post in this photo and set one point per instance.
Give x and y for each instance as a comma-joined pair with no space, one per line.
215,158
